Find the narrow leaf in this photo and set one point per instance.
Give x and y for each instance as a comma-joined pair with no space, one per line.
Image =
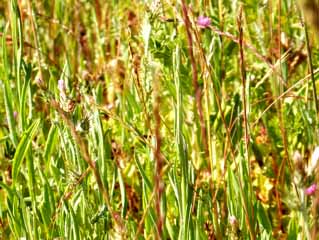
22,148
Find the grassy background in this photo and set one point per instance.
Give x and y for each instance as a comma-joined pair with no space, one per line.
126,120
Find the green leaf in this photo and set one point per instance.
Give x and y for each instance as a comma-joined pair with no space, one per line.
8,96
263,218
22,148
50,143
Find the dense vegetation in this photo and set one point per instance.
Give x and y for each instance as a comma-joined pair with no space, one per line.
159,119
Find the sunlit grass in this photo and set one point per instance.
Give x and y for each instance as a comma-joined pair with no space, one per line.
158,120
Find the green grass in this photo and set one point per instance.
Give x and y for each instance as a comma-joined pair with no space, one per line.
127,120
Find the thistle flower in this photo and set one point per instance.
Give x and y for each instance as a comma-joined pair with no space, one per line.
311,189
203,22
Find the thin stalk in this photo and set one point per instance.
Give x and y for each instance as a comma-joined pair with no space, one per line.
243,78
86,156
281,96
304,24
280,175
17,40
159,184
311,68
36,39
315,207
183,161
228,143
146,211
137,82
8,93
196,87
68,193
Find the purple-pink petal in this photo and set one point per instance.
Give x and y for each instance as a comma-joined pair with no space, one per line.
311,190
61,85
232,220
203,22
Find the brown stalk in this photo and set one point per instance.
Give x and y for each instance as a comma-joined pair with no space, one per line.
235,40
284,94
68,193
140,225
250,47
36,40
280,175
311,13
228,137
315,209
228,143
197,89
309,55
51,20
137,81
9,41
311,9
243,78
97,8
159,184
86,156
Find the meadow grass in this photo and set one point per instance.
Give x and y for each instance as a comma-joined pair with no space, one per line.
159,119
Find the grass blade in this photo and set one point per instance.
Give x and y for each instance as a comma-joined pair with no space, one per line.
22,149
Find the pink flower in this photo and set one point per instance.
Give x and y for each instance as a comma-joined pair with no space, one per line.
62,88
203,22
61,85
232,220
311,190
